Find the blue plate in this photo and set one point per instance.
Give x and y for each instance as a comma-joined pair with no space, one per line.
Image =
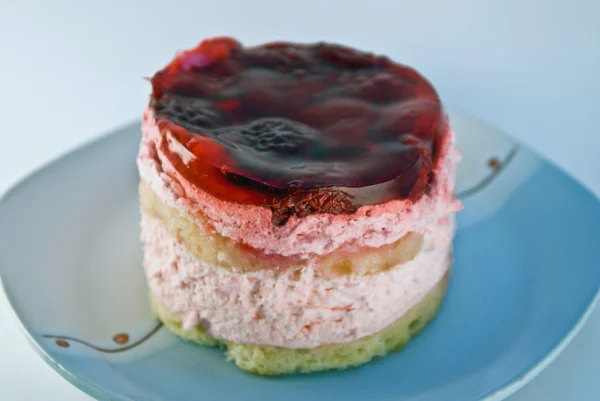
526,275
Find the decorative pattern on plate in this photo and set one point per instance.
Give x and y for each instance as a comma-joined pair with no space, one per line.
497,166
120,339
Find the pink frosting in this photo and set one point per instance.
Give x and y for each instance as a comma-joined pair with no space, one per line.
318,234
272,308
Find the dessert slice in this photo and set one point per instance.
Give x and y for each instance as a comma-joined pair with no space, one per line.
297,203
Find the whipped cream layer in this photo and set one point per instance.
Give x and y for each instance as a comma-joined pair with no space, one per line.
317,234
278,308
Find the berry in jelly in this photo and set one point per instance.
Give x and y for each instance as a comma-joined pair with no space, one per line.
301,129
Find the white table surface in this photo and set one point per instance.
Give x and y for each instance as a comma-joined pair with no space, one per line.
70,70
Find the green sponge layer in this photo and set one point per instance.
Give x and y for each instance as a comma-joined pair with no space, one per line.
270,360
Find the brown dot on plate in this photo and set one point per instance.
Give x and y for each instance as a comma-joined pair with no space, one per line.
121,338
62,343
494,163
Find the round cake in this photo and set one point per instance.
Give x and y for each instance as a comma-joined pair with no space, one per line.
297,203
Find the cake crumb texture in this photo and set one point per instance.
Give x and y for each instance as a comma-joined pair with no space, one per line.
271,361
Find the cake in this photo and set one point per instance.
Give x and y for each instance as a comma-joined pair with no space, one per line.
297,203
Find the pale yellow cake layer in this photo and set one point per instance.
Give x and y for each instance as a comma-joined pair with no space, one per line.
269,360
215,249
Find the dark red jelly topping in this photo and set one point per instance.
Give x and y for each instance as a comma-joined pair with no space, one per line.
301,129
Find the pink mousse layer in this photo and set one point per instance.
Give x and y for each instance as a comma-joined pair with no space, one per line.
273,308
318,234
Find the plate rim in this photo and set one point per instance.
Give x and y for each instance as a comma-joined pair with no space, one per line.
98,392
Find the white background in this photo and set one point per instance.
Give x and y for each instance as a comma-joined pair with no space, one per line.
70,70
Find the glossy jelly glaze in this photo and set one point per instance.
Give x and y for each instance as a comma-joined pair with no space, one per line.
298,128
